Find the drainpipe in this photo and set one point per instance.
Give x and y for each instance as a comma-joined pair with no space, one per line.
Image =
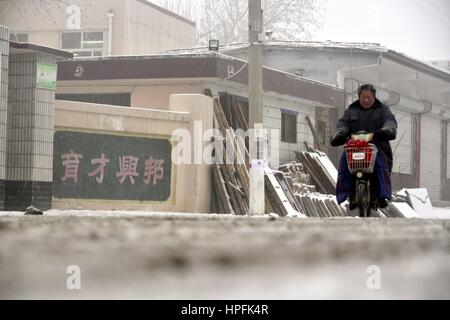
110,16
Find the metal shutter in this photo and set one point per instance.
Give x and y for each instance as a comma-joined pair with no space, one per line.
448,150
402,147
430,163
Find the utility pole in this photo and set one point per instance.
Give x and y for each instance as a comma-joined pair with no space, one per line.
255,82
255,36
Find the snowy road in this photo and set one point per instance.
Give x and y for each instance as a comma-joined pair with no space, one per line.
131,255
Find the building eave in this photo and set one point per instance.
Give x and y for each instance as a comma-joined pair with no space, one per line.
418,65
42,49
212,66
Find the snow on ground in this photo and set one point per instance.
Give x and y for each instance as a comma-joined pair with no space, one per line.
435,213
440,213
139,255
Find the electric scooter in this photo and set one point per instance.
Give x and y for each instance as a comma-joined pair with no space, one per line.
361,156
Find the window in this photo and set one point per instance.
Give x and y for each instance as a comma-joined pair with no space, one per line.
289,126
18,37
115,99
93,40
83,44
71,40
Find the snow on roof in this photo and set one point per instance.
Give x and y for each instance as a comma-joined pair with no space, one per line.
360,46
294,44
171,54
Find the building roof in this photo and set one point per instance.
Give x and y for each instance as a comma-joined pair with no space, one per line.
329,45
418,65
295,45
16,46
167,12
198,66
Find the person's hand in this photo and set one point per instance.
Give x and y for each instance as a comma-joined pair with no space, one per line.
338,139
386,133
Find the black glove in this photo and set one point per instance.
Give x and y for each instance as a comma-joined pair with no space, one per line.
338,139
386,133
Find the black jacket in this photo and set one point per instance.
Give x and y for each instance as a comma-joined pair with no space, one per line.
372,120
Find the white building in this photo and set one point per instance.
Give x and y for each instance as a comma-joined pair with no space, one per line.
97,27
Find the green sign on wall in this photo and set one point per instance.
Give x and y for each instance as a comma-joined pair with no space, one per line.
46,76
109,167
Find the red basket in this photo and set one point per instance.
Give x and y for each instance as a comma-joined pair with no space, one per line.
361,159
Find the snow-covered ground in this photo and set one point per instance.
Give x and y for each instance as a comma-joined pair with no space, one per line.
440,213
434,213
139,255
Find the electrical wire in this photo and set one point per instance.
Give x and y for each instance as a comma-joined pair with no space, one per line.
439,9
20,12
438,19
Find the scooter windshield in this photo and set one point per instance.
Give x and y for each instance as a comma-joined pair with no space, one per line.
367,137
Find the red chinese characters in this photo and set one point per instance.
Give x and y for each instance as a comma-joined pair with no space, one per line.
100,171
128,168
154,170
71,162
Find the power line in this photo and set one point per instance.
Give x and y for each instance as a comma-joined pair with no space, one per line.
43,3
430,13
439,9
20,12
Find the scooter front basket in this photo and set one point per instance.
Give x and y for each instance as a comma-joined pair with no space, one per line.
361,159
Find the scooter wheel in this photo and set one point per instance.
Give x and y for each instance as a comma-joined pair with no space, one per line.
361,197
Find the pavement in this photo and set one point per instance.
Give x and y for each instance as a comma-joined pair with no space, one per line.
141,255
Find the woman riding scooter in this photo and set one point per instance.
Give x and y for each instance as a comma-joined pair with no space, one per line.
370,115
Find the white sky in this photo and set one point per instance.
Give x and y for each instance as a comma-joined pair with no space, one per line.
418,28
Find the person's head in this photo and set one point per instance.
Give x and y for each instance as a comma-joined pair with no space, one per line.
367,95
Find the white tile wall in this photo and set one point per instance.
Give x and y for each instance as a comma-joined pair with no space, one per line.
30,122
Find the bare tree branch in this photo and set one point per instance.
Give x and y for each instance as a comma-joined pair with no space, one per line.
227,20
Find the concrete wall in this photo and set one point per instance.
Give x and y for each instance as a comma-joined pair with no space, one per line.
137,28
191,183
150,32
151,96
194,180
4,56
158,96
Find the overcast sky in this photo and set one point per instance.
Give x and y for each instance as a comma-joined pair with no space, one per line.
418,28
